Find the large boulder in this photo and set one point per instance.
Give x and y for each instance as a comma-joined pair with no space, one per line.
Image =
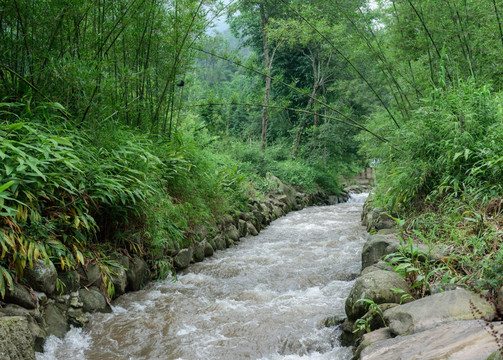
220,243
251,229
93,301
290,195
119,279
34,318
183,258
42,277
378,246
198,251
16,341
377,286
20,296
208,249
201,231
243,228
232,233
90,275
257,219
377,219
431,311
55,320
71,281
138,274
277,212
371,338
451,341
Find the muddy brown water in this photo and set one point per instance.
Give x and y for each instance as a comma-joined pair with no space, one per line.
265,298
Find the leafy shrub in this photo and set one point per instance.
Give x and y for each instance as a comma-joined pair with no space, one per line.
59,189
451,145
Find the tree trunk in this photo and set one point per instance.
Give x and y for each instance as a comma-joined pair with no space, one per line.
268,65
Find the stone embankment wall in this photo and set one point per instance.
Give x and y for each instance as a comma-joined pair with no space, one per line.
31,313
451,323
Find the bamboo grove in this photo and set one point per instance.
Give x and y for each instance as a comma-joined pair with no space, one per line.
131,119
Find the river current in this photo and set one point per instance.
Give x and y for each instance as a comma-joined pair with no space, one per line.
265,298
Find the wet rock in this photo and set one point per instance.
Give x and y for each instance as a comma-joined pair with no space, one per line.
289,193
380,265
208,249
183,258
451,341
243,229
16,341
20,296
371,338
138,274
334,321
251,229
77,318
258,218
42,277
34,318
220,243
433,310
277,212
71,281
348,336
198,252
55,320
119,279
378,246
244,216
376,286
232,233
90,275
93,301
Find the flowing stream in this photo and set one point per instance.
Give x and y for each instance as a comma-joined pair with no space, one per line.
266,298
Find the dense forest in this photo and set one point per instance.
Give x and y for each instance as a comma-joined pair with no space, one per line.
125,123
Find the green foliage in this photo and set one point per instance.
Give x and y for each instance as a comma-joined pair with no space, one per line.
304,175
417,266
450,146
60,190
363,324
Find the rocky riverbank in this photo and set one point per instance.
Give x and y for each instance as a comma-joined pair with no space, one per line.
451,323
46,307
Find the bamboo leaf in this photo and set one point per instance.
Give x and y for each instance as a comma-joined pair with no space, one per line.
6,186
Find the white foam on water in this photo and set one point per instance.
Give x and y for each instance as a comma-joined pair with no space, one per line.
76,341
